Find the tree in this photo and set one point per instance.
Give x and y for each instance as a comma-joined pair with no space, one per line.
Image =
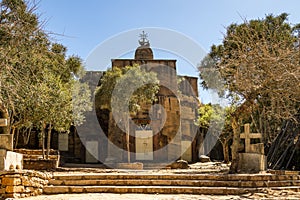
217,119
258,64
36,76
56,90
118,86
20,44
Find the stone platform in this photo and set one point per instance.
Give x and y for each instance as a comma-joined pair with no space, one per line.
252,162
152,182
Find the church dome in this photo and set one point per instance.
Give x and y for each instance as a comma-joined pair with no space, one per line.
143,52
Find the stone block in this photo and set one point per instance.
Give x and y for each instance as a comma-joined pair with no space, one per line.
13,174
29,189
204,158
11,181
56,182
252,162
56,190
15,189
12,195
25,195
2,190
136,165
257,148
180,164
40,164
77,189
38,191
26,181
6,141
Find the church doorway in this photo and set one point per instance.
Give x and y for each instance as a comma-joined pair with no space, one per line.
144,143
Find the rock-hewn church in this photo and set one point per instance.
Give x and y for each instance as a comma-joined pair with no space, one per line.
163,133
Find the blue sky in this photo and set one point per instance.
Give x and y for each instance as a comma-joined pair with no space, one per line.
82,25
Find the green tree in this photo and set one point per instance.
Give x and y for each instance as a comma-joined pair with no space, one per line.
217,119
119,81
258,63
36,77
21,42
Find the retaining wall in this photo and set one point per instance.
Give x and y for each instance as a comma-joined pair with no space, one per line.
33,159
25,183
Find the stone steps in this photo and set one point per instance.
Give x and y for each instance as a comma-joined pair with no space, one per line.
50,190
197,183
142,176
170,183
145,190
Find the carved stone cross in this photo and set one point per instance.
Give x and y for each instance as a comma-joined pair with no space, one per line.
249,148
3,122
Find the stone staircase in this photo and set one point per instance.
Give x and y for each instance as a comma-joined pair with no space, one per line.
139,182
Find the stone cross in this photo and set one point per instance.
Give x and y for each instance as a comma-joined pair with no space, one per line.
248,136
3,122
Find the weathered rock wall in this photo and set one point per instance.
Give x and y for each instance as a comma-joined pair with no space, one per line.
16,184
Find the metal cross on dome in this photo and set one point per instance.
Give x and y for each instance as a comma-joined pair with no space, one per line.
144,41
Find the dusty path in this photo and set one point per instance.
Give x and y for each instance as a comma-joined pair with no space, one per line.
108,196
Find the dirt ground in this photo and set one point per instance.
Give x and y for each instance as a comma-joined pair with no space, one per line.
108,196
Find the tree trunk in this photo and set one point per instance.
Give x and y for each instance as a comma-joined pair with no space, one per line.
27,134
235,145
17,139
225,151
48,140
43,139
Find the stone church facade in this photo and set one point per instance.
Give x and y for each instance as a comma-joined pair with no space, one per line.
162,134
